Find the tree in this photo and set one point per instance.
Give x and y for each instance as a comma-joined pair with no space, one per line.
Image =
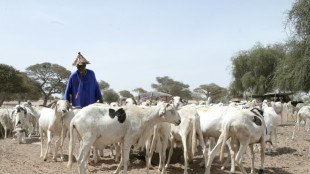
30,89
169,86
298,19
253,70
109,95
139,91
125,94
212,90
197,96
11,82
293,74
103,85
51,77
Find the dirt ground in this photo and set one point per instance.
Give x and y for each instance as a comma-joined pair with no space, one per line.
292,157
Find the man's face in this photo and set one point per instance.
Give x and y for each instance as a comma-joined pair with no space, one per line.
81,68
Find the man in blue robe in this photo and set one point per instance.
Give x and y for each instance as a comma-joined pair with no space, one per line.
82,85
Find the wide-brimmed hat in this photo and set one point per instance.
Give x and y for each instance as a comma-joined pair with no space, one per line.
80,60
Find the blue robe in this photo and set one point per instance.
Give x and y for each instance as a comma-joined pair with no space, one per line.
89,91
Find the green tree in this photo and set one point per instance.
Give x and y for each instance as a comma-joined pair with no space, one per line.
11,82
298,20
293,74
125,94
109,95
139,91
197,96
51,77
169,86
30,89
212,90
254,70
103,85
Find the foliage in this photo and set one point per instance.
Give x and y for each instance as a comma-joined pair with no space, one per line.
169,86
253,70
139,91
197,96
51,77
293,74
212,90
11,82
125,94
298,20
30,89
103,85
109,95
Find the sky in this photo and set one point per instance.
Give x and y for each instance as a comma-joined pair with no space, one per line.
131,42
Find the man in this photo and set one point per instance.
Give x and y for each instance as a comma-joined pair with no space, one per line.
82,85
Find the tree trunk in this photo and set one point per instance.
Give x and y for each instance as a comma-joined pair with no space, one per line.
45,100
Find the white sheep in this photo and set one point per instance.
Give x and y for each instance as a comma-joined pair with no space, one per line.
6,121
302,115
212,120
129,125
159,142
272,120
50,123
245,127
190,127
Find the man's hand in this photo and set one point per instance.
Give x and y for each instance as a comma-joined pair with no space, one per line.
101,100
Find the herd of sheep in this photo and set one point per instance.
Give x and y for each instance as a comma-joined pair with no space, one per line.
213,127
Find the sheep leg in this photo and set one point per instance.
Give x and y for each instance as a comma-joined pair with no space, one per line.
153,145
203,145
126,157
239,156
295,127
212,154
121,161
185,154
57,144
95,154
147,155
232,155
206,141
162,157
48,144
252,159
5,130
170,152
41,137
84,156
262,154
117,152
275,139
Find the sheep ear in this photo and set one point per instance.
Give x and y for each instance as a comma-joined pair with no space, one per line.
53,105
69,105
168,105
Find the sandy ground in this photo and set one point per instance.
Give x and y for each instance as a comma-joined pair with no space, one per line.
292,157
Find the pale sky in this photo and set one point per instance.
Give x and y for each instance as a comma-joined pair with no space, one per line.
131,42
